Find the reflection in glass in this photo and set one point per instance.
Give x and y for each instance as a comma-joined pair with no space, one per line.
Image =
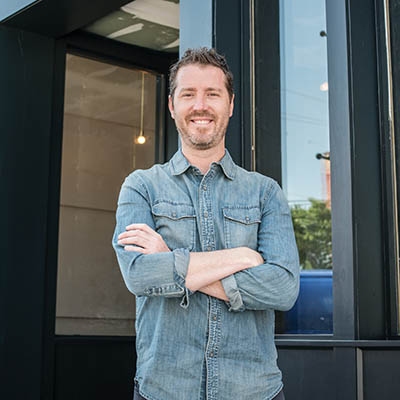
306,160
305,128
153,24
102,121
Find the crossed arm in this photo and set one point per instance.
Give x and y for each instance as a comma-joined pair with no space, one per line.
205,270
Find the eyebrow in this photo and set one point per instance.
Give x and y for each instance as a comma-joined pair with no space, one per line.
191,89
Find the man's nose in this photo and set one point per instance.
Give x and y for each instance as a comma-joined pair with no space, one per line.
200,103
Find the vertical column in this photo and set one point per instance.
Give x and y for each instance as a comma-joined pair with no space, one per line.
26,112
225,25
357,168
394,17
341,179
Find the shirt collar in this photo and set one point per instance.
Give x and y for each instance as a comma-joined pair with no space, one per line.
179,164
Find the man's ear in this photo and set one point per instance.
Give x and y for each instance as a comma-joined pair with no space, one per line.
232,105
171,107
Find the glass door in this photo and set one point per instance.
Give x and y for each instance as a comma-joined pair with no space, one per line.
109,130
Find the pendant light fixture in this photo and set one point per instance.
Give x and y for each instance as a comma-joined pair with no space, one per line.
141,139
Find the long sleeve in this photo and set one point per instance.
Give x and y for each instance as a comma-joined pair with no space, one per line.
274,284
160,274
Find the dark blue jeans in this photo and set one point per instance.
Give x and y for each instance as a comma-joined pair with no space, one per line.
137,396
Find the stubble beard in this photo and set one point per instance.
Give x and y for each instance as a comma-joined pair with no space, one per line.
196,139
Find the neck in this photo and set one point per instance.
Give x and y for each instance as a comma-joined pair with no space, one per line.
202,159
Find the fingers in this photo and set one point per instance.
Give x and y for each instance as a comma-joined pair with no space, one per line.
134,237
135,248
141,227
143,239
138,230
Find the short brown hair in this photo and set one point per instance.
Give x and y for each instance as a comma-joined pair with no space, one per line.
202,56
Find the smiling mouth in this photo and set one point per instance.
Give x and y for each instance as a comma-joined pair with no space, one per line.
201,121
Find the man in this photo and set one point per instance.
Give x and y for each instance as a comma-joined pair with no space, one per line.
209,251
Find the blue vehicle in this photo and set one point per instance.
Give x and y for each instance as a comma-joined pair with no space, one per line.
312,312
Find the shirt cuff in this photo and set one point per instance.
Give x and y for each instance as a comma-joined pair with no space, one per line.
232,291
181,266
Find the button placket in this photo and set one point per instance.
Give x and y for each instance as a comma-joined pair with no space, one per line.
207,223
213,343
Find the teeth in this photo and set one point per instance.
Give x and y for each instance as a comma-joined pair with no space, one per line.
201,122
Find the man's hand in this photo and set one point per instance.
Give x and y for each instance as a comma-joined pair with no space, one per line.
205,269
143,239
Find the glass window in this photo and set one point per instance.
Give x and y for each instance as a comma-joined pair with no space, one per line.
109,130
305,158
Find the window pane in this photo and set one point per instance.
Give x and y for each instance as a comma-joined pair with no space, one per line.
305,158
106,108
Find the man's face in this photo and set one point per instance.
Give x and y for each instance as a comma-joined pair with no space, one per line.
201,106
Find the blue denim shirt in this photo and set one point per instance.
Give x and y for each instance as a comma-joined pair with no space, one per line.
189,345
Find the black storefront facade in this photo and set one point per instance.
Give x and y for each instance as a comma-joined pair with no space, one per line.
361,359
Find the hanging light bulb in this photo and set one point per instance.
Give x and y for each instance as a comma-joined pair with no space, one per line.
141,139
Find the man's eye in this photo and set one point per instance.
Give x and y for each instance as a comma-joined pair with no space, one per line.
187,95
213,94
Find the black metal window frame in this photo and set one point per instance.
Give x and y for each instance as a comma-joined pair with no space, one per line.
393,15
102,49
363,202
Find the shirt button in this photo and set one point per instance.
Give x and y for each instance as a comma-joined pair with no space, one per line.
204,187
211,354
214,318
209,248
205,214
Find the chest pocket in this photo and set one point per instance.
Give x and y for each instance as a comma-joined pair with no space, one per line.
176,223
241,226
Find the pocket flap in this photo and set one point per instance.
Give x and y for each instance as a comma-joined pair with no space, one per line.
244,215
173,211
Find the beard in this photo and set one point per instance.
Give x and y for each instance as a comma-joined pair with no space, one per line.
199,137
